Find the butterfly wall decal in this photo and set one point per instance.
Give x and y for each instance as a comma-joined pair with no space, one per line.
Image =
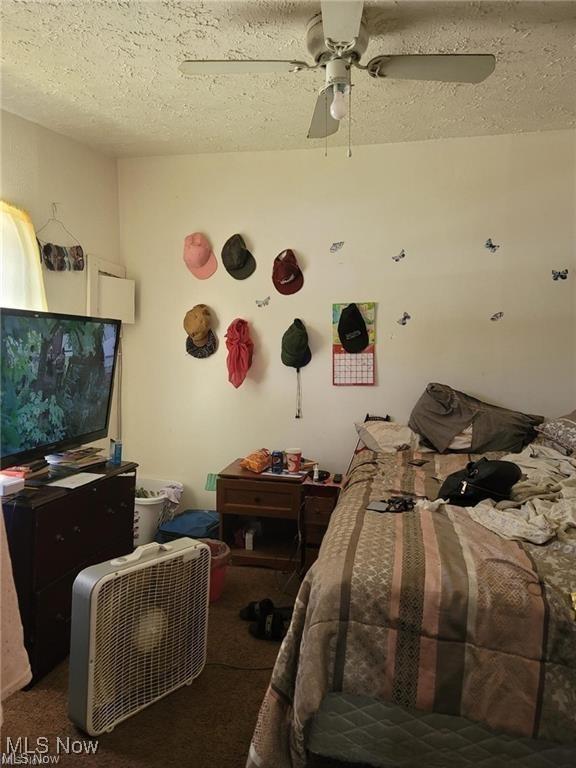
492,247
399,256
336,246
561,274
263,302
404,319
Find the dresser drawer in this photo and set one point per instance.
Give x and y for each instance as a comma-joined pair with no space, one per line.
51,517
317,510
242,497
63,531
51,638
53,610
69,530
111,508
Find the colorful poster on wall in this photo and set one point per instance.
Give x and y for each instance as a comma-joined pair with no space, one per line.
354,368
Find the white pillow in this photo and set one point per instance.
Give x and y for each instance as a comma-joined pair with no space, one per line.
386,436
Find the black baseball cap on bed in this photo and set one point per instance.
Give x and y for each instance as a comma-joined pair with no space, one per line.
352,329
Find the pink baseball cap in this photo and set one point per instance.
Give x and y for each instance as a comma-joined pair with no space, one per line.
199,256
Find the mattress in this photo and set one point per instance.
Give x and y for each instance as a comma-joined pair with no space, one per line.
359,729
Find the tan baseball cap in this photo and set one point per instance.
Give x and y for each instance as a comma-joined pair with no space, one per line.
197,322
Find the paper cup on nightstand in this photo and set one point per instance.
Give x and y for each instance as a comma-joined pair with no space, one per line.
293,461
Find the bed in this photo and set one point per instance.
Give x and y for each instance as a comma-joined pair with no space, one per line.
432,637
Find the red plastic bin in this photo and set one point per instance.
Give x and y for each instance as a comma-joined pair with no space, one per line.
220,552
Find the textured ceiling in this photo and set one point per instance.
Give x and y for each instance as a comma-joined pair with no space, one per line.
106,73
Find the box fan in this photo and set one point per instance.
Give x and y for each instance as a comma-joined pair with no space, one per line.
139,631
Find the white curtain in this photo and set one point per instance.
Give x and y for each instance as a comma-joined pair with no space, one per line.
14,664
21,279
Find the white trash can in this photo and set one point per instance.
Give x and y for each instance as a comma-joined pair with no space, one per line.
150,512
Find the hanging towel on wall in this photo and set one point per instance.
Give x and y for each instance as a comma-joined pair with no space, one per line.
240,348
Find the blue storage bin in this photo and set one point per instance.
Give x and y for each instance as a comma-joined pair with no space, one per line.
195,523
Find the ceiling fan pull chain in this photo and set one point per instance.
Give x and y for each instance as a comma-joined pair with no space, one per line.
325,124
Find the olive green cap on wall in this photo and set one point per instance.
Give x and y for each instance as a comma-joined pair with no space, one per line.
295,350
237,259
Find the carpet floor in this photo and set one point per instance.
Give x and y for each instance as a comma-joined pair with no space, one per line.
206,725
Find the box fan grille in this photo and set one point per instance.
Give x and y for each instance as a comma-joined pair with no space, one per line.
150,636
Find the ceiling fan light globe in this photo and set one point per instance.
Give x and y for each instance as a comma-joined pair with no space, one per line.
338,108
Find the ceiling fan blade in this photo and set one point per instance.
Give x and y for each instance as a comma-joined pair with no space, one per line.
341,20
447,68
239,67
323,124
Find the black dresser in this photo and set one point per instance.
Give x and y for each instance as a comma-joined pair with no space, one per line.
53,533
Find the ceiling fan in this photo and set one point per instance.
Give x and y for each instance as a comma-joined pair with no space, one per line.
337,38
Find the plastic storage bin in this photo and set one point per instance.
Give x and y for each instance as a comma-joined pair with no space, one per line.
149,513
220,559
195,523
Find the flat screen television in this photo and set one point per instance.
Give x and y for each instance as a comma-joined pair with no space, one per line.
56,381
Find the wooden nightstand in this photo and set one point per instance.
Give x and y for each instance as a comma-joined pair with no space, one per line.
282,506
319,502
274,502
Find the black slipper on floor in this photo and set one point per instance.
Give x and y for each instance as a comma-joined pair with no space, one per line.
257,610
273,626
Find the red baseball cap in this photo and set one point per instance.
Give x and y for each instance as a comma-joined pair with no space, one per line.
199,256
286,274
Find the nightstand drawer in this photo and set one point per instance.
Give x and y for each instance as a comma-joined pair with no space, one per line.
313,534
242,497
309,556
317,510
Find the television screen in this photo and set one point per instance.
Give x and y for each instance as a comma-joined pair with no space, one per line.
56,379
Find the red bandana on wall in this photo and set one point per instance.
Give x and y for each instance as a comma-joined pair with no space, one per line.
240,348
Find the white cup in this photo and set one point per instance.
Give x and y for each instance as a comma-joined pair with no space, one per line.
293,460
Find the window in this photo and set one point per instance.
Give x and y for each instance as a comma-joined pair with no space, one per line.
21,279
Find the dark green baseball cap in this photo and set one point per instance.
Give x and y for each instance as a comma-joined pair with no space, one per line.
295,350
237,259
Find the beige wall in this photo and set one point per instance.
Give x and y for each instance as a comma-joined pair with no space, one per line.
439,200
40,167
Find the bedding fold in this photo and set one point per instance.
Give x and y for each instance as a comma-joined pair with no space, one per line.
543,503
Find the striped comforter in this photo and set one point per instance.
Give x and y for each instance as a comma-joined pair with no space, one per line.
427,609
